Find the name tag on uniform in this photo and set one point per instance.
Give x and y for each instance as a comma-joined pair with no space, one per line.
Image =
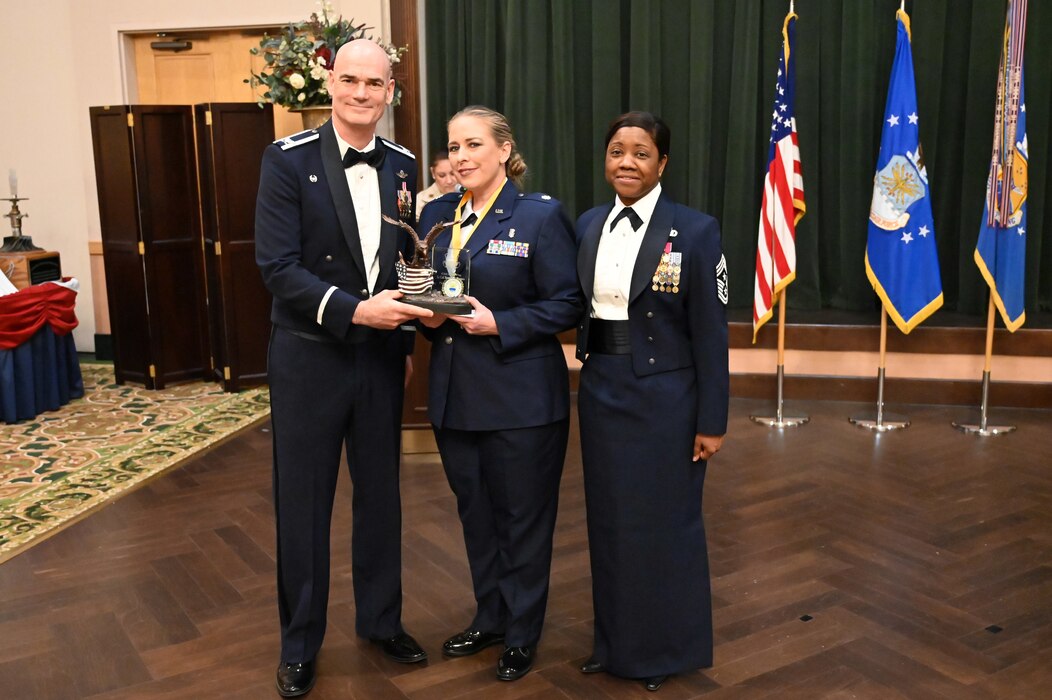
515,249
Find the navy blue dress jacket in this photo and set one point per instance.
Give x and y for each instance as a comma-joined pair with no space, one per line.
307,234
517,379
670,331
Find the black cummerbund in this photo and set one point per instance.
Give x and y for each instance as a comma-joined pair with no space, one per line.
608,337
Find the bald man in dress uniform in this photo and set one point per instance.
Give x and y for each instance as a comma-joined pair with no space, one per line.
338,359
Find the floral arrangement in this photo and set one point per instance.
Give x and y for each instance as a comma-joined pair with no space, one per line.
298,60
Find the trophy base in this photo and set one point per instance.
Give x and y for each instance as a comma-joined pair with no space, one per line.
454,306
18,244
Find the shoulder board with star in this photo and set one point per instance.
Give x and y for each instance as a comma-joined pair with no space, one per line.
298,139
396,147
537,197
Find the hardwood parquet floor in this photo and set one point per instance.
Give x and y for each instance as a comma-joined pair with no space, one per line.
845,564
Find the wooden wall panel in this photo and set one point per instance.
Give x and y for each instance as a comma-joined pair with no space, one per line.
405,30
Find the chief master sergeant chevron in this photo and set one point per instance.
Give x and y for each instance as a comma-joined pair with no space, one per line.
338,360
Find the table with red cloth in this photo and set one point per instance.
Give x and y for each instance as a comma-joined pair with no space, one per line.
39,369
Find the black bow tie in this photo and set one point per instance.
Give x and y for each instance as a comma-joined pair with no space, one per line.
631,215
373,158
471,220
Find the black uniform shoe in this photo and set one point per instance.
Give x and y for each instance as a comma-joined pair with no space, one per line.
470,642
514,663
295,679
402,648
592,666
653,683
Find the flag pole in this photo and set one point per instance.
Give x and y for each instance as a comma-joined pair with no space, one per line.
983,429
881,422
779,420
791,186
781,345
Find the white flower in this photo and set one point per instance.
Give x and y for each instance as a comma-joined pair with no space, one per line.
319,72
301,97
296,81
323,90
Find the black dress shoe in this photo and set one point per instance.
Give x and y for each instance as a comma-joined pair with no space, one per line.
402,648
295,679
654,682
514,663
470,642
592,666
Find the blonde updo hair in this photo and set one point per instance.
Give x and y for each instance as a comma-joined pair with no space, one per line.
501,131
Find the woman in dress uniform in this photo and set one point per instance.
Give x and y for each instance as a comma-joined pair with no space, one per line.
653,408
498,385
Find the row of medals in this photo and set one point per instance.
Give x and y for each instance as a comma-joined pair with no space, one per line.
666,277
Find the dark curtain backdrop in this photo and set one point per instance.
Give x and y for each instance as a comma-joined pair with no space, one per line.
562,70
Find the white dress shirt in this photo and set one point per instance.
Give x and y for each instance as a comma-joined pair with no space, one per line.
466,231
616,258
365,195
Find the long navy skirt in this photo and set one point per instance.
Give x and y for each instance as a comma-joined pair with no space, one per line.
650,571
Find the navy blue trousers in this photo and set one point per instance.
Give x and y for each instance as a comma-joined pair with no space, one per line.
327,397
507,488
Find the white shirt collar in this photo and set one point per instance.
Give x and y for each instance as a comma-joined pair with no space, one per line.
644,208
473,207
469,208
344,145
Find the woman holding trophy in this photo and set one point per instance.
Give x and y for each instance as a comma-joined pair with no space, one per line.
499,390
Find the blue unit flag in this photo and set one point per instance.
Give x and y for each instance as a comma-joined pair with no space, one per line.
902,261
1000,251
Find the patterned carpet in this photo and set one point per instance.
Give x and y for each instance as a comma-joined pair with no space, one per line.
64,464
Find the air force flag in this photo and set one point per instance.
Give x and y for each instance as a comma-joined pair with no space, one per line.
902,262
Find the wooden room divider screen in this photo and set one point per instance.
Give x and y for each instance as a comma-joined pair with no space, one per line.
185,299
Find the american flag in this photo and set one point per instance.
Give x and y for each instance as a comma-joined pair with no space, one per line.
783,193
